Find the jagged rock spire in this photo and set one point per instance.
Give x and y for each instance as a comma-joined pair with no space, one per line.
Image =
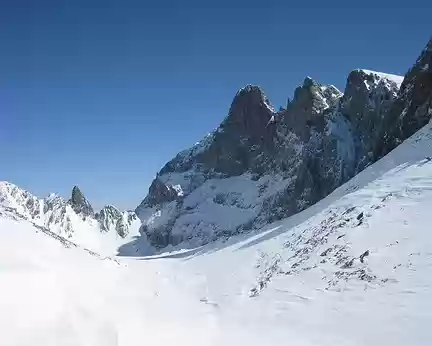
79,203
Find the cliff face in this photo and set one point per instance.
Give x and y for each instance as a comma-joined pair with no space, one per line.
80,204
260,165
413,107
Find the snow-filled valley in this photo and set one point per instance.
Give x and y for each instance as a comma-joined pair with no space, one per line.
354,269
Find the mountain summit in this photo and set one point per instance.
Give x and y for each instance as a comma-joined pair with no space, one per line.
79,203
260,165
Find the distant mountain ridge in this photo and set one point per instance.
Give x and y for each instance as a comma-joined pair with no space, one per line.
73,219
260,165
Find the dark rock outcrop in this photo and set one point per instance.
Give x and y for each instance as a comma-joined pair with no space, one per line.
80,204
160,193
366,103
413,107
249,124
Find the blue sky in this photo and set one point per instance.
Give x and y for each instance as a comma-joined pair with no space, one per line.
101,94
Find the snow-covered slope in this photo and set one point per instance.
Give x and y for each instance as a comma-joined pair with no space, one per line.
75,220
354,269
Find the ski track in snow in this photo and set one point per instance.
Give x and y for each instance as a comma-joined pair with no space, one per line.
354,269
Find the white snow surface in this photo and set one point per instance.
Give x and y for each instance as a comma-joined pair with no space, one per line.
354,269
392,77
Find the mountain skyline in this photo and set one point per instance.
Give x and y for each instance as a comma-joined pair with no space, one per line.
102,96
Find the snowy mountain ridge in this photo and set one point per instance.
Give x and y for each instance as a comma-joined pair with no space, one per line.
73,219
386,76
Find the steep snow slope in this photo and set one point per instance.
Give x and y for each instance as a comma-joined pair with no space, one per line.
355,269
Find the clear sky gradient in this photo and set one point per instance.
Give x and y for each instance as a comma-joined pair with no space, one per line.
101,94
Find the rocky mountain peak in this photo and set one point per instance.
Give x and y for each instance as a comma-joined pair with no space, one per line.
367,100
358,79
253,92
249,124
364,82
65,217
307,107
309,82
20,200
79,203
259,166
314,97
368,90
413,107
250,109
